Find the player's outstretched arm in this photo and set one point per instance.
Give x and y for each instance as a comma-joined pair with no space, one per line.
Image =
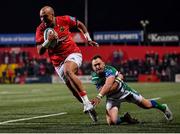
107,87
84,30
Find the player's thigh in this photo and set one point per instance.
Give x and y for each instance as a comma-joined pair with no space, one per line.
70,66
60,72
73,62
113,114
139,100
134,98
112,108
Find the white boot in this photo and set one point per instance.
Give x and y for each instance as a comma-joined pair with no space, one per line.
88,108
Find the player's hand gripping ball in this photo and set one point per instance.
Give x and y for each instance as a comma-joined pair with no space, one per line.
50,36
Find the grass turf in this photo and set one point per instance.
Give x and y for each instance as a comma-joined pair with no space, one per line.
32,100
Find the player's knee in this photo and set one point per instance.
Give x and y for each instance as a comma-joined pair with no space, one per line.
112,122
68,73
109,122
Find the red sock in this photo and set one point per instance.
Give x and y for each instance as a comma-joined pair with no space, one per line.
83,93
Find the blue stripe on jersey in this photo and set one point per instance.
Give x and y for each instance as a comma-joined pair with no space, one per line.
109,73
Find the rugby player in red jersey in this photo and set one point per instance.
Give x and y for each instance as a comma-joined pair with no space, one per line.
65,55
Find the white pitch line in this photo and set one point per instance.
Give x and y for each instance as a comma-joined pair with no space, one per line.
36,117
155,98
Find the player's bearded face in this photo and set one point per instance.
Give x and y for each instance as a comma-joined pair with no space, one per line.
98,66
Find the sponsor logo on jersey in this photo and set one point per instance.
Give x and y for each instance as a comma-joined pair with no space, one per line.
62,29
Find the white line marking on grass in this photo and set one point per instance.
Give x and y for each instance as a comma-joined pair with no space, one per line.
31,118
155,98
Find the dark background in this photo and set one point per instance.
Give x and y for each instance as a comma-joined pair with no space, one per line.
22,16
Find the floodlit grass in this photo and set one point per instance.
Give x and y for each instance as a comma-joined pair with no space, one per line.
32,100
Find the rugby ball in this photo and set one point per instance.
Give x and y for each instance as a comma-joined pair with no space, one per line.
48,31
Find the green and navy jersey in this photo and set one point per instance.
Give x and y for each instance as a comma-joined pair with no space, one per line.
123,89
99,79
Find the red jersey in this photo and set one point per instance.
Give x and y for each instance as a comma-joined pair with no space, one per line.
65,45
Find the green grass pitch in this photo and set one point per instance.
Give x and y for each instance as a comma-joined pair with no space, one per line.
36,100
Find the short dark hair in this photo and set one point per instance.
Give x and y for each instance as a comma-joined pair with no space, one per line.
95,57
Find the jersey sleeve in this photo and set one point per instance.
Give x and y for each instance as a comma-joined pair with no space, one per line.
94,79
71,21
110,71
